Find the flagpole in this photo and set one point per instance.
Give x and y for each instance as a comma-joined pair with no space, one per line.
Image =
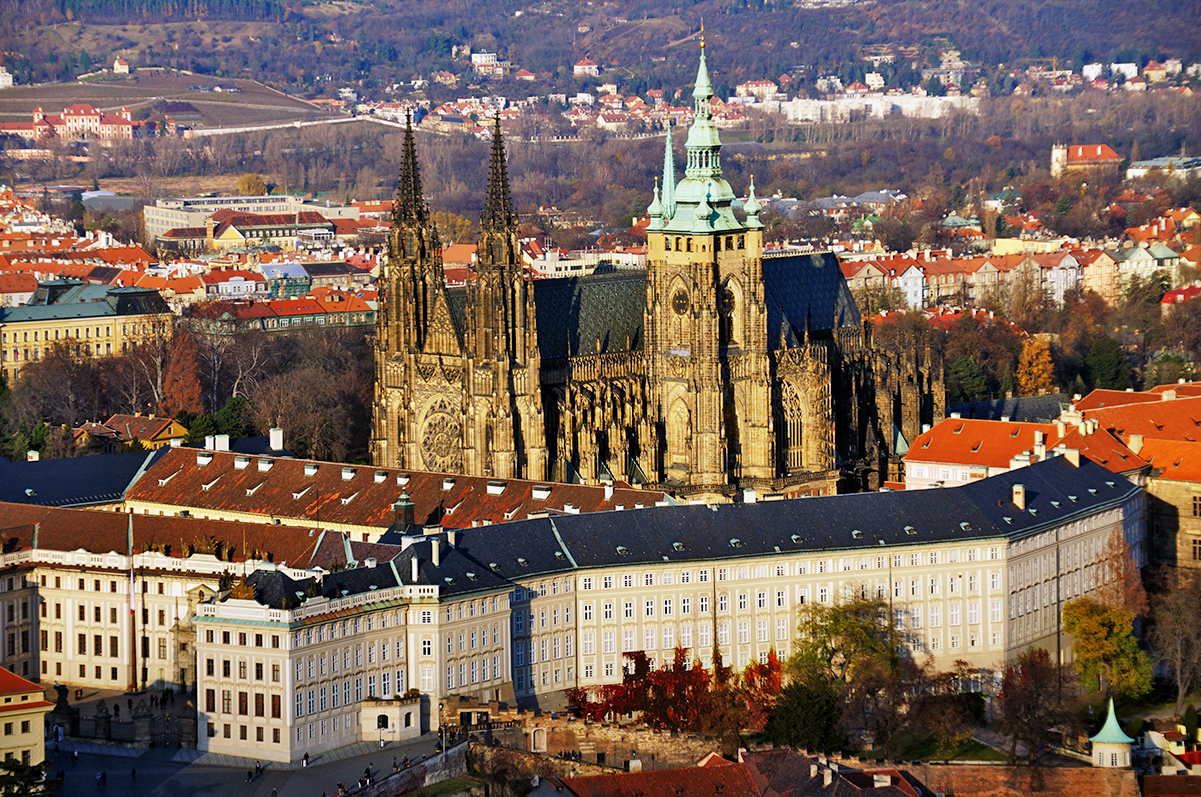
133,634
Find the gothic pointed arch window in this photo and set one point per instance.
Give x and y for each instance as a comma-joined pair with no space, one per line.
730,313
678,433
793,410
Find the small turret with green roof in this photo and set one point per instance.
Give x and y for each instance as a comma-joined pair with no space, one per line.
1111,745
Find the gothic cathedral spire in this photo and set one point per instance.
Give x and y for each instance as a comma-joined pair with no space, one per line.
498,209
409,205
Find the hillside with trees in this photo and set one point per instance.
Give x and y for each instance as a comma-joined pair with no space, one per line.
375,45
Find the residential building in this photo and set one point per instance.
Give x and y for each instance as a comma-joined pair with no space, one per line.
958,450
17,289
6,79
1083,157
585,68
1173,500
171,213
151,432
23,707
1100,273
89,320
225,283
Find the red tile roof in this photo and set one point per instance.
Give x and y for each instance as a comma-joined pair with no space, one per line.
995,444
13,684
1173,460
1179,419
364,499
1081,154
1114,398
143,427
106,532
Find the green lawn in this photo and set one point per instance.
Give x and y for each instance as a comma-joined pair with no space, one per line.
920,746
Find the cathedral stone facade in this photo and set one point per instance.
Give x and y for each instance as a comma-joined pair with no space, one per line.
719,367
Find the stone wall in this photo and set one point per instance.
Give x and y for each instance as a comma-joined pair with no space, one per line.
498,760
432,770
1006,781
615,745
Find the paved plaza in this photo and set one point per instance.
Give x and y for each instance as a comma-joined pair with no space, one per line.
191,773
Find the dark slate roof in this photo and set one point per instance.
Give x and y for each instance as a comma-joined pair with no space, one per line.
278,590
494,558
1026,409
360,580
76,481
805,288
574,312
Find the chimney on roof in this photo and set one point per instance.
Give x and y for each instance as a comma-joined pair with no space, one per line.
277,438
209,442
1135,443
827,777
221,442
413,561
1019,496
370,562
881,780
1073,456
813,770
436,549
1061,429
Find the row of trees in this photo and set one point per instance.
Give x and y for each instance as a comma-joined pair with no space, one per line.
318,385
1077,347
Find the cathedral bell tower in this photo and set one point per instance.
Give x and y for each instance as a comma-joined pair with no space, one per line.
708,367
505,436
415,336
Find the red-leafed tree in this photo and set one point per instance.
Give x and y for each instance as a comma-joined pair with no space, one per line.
181,388
761,685
679,694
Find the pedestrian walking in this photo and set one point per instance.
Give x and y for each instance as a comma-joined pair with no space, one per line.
249,775
133,774
103,777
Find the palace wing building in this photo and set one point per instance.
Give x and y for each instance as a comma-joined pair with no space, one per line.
721,366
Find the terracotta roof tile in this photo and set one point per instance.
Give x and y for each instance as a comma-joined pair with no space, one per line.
995,444
327,493
1173,460
1179,419
107,532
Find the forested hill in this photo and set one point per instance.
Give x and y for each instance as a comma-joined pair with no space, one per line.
294,42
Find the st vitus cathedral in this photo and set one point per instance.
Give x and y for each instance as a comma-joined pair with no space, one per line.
717,368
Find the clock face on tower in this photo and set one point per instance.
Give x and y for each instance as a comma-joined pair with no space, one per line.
679,301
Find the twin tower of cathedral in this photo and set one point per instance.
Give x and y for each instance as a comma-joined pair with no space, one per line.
718,367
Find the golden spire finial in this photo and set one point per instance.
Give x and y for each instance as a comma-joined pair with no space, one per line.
702,33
